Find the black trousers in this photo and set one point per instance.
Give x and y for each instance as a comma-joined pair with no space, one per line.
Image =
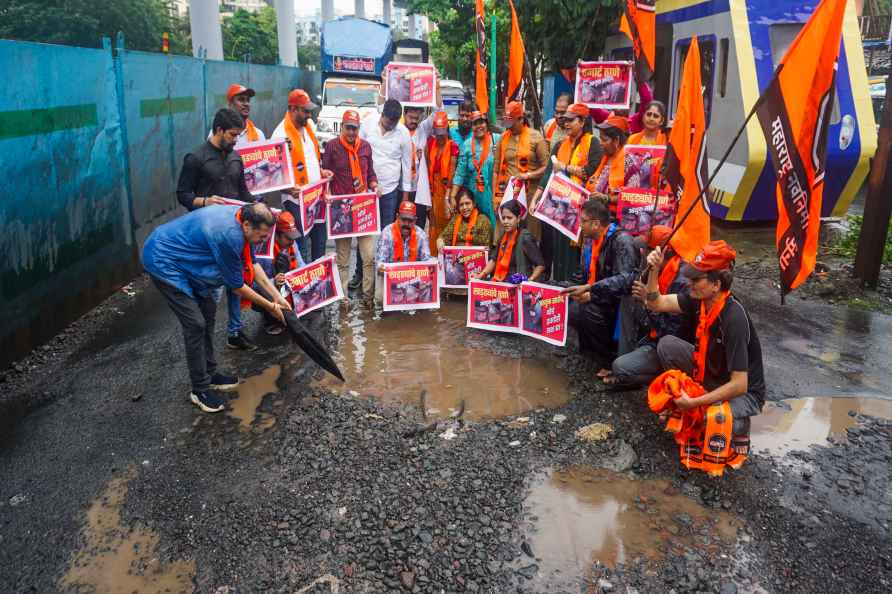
594,324
197,317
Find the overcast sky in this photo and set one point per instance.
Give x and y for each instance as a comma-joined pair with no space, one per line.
308,7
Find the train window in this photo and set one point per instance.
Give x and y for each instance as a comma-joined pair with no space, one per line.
707,70
724,46
782,36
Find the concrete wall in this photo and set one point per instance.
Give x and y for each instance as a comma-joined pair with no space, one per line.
91,144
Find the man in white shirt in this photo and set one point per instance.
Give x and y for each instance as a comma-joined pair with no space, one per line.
392,158
298,128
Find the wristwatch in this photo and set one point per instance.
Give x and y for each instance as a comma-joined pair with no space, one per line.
652,295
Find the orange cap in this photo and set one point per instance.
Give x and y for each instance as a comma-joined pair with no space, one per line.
408,209
578,110
513,112
615,121
441,119
658,235
237,89
285,224
477,115
715,255
299,98
350,118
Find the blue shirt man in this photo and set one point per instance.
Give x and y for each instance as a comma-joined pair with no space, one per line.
191,256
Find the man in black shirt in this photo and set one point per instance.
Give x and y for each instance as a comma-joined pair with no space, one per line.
727,358
211,172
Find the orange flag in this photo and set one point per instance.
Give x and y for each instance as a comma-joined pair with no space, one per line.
482,95
686,169
516,55
639,23
795,115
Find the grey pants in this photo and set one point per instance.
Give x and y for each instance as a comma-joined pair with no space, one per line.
639,367
197,317
675,353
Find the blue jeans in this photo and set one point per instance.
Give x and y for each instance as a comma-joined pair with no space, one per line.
234,307
387,205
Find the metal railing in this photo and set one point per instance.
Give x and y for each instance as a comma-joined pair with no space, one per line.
875,27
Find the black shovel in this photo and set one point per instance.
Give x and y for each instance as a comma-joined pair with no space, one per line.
306,341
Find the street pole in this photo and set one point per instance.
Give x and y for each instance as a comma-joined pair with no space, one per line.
492,70
877,207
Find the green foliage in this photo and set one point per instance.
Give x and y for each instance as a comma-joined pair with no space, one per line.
848,245
85,22
308,55
251,36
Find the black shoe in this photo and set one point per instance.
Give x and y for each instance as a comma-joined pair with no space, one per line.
207,400
222,381
355,283
240,342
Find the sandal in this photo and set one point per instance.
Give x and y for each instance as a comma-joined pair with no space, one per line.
274,329
604,372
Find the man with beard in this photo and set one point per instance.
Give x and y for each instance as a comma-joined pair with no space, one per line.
462,132
210,173
238,99
400,241
298,128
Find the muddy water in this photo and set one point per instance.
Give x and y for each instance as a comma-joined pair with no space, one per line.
584,516
122,560
799,423
250,396
396,357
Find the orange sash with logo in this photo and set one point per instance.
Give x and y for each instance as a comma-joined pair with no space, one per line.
575,156
398,244
478,163
707,319
355,169
506,252
641,138
521,159
251,131
470,226
616,176
247,264
298,161
593,261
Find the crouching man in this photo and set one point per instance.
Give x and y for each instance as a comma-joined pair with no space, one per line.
191,256
726,357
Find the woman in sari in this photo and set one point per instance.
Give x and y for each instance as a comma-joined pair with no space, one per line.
475,166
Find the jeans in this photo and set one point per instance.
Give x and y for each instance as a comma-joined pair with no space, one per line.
387,205
197,317
675,353
234,307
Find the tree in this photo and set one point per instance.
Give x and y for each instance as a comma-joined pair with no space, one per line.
251,36
308,56
85,22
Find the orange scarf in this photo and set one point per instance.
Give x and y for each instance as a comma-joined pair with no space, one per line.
641,138
667,275
549,130
704,433
707,319
355,169
471,222
575,156
251,131
521,158
297,150
506,252
616,176
439,161
593,261
292,255
478,163
247,263
398,244
414,155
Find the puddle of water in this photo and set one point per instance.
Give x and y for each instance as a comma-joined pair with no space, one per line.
250,395
798,423
585,515
122,560
396,357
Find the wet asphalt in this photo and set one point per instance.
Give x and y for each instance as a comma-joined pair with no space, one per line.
348,487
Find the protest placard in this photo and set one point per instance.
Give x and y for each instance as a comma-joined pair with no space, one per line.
352,215
643,162
457,263
267,166
315,285
544,312
312,204
493,306
604,85
412,84
561,204
411,285
635,210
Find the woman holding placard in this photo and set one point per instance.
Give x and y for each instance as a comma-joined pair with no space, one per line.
518,252
475,166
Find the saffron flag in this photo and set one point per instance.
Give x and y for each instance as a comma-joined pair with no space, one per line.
482,95
516,56
686,169
639,23
795,114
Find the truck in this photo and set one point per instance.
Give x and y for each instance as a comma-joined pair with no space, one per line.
354,54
